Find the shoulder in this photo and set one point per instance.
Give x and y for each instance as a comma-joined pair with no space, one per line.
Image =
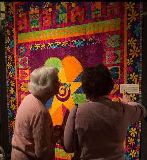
85,108
29,96
91,107
32,105
28,100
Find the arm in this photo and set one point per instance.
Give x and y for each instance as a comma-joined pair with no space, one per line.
69,131
59,130
42,135
138,111
135,111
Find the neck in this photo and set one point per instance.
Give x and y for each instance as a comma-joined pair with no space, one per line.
94,99
43,99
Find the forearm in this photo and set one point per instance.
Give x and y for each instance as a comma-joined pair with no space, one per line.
43,137
69,132
140,106
127,100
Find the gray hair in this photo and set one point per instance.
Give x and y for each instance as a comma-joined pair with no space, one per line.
43,80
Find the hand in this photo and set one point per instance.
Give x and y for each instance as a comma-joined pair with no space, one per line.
126,97
58,132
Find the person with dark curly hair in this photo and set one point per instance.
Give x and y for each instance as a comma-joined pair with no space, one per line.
96,129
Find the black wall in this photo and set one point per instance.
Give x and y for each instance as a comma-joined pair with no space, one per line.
3,95
144,84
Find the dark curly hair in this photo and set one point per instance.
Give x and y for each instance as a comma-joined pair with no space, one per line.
97,81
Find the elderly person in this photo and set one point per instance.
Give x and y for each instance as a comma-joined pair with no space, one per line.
33,133
100,125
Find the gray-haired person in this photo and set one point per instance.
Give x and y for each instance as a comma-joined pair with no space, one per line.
33,134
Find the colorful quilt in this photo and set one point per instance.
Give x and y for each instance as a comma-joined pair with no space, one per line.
72,36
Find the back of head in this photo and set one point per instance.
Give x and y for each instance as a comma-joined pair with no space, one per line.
43,80
97,81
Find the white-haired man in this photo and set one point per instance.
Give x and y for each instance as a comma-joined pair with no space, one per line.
33,134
